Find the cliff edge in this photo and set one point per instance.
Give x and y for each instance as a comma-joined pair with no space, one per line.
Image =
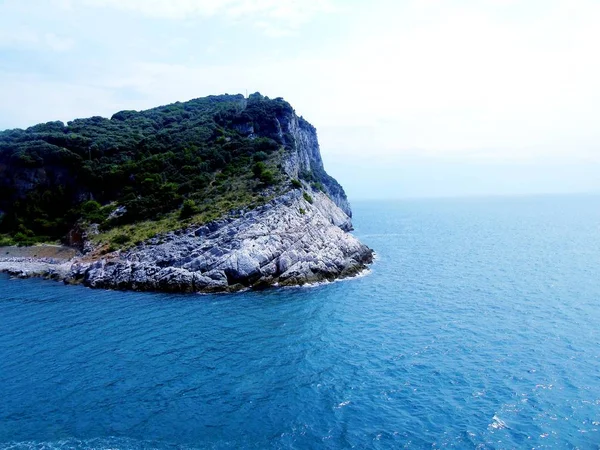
242,201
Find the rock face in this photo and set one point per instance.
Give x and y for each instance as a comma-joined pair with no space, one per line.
289,241
301,236
34,267
305,159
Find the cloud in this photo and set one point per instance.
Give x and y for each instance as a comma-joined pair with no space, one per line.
274,17
387,83
425,78
58,43
40,100
19,38
170,9
25,39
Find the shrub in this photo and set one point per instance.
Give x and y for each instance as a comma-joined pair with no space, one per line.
90,206
267,177
120,239
260,156
258,169
318,186
307,175
307,197
20,237
296,184
261,172
188,209
22,240
92,211
302,211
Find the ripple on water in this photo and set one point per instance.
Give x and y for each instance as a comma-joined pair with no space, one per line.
476,327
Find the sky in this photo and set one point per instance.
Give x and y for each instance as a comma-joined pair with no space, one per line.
411,98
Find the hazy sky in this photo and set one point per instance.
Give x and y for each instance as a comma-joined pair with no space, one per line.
410,97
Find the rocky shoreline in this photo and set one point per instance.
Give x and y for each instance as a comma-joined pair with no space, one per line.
35,267
301,236
295,239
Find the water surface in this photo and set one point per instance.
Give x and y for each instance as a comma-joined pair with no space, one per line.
478,327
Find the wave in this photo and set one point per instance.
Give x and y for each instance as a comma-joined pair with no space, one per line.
363,273
498,423
104,443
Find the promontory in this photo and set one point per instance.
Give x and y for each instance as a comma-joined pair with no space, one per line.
216,194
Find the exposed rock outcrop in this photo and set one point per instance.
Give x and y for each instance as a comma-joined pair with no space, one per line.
289,241
304,160
300,236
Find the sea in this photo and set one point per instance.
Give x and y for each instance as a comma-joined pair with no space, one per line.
478,326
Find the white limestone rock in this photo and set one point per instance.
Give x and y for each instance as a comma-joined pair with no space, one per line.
287,241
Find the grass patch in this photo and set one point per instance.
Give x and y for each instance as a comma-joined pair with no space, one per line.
220,200
6,241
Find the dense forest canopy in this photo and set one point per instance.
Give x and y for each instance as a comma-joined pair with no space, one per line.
210,152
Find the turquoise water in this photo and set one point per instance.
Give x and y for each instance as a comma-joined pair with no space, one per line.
478,327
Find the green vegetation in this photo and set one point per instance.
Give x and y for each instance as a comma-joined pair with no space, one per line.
296,184
188,209
120,239
140,173
307,197
136,233
318,186
261,172
260,156
93,212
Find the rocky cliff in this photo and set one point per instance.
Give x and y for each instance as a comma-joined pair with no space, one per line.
288,241
288,221
304,160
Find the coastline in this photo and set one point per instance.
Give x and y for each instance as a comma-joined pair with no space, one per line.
55,270
287,242
361,274
32,267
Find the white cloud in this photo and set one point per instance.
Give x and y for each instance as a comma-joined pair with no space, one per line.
43,101
31,40
58,43
275,17
19,38
444,81
171,9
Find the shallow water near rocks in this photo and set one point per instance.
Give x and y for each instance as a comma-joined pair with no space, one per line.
477,326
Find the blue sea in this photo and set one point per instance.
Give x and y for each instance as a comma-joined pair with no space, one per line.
477,327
